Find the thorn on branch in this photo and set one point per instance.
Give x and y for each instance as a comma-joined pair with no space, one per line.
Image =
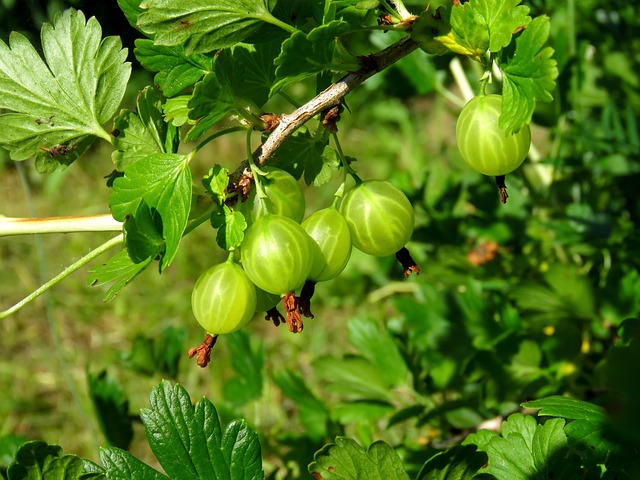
503,188
408,263
203,351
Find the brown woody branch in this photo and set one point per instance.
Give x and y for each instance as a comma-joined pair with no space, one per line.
332,96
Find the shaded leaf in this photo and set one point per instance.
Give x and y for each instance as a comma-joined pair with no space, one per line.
203,26
143,234
249,70
312,412
175,69
457,463
211,102
377,346
37,460
119,269
112,409
248,362
304,55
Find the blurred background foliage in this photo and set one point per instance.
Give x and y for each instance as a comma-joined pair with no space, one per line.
515,302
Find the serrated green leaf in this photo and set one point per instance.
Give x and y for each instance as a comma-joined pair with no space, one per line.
112,409
162,354
231,225
216,183
249,70
141,133
548,443
119,269
211,102
131,10
37,460
176,110
163,181
65,101
248,362
525,450
176,70
502,18
121,465
346,460
558,406
586,431
304,55
377,346
203,26
189,443
469,34
529,75
461,462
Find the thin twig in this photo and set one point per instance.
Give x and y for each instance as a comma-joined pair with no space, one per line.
64,274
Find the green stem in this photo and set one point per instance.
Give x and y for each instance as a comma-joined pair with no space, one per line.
255,170
279,23
289,99
64,274
345,166
216,135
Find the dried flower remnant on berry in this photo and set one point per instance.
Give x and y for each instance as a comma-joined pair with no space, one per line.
292,313
203,351
274,315
408,263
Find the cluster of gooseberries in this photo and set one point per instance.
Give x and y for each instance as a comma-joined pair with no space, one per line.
281,254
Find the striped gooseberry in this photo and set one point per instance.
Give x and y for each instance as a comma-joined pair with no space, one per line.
380,217
223,298
486,147
330,231
277,254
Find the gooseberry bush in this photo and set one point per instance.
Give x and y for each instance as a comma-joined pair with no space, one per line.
220,69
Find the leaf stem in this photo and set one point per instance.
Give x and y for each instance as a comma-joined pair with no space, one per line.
88,223
279,23
217,135
64,274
